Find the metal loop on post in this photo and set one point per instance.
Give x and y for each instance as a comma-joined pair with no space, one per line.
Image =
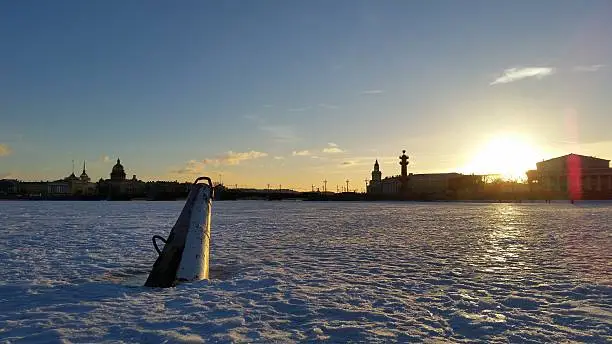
204,178
155,243
212,189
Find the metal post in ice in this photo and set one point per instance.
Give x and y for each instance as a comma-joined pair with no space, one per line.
196,254
185,256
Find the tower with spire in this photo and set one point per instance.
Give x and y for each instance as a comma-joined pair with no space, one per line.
84,177
376,174
376,181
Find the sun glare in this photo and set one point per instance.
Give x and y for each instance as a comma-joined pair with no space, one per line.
506,155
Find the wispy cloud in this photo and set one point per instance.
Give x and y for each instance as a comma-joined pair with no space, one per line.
515,74
5,150
332,148
301,153
234,158
591,68
228,158
279,157
348,163
192,167
298,109
373,92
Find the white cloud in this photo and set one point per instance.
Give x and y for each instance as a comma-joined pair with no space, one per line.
514,74
105,158
332,148
228,158
591,68
192,167
373,92
301,153
234,158
298,109
279,158
5,150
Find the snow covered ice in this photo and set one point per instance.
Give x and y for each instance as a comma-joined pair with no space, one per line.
309,272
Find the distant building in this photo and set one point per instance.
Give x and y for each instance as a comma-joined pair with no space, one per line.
167,190
118,187
9,187
58,188
390,185
33,189
432,185
375,184
72,185
422,185
574,176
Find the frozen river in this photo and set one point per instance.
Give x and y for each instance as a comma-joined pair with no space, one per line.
308,272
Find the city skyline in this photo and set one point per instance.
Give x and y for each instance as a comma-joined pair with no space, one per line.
296,93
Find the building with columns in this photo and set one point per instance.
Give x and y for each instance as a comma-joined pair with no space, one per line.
573,176
72,185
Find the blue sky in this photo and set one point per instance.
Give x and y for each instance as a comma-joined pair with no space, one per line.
294,92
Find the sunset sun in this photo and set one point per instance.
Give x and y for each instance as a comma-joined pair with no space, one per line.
507,155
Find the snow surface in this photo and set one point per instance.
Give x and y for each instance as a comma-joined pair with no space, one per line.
308,272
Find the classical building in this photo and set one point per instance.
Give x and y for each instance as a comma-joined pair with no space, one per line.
574,176
118,187
118,173
33,189
72,185
58,188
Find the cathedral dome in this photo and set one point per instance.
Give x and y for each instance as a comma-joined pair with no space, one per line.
118,167
118,173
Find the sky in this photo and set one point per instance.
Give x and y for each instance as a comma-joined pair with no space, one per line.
293,93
